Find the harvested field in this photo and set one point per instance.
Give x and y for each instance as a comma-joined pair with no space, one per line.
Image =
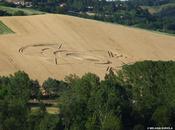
53,45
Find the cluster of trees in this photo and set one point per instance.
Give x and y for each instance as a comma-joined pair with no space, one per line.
151,2
122,12
52,6
16,13
8,13
15,111
131,13
138,96
4,13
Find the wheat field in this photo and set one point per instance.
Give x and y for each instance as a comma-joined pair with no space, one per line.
54,46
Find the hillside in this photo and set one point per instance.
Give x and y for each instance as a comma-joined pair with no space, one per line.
56,45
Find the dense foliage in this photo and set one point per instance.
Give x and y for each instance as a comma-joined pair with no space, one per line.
4,13
10,9
129,12
138,96
15,111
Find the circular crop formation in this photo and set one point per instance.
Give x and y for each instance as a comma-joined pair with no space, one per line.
59,55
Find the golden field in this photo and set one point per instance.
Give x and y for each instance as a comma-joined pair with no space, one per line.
54,46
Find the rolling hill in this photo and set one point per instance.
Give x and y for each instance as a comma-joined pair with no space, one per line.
53,45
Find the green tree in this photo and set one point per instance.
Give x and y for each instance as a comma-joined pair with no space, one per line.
54,87
111,122
161,116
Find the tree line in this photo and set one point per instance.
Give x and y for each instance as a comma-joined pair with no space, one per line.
123,12
136,97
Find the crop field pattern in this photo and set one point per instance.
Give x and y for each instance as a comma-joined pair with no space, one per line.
57,54
55,46
4,29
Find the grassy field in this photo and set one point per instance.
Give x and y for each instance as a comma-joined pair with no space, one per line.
11,10
50,110
4,29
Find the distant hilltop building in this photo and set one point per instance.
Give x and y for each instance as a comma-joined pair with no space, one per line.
26,3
